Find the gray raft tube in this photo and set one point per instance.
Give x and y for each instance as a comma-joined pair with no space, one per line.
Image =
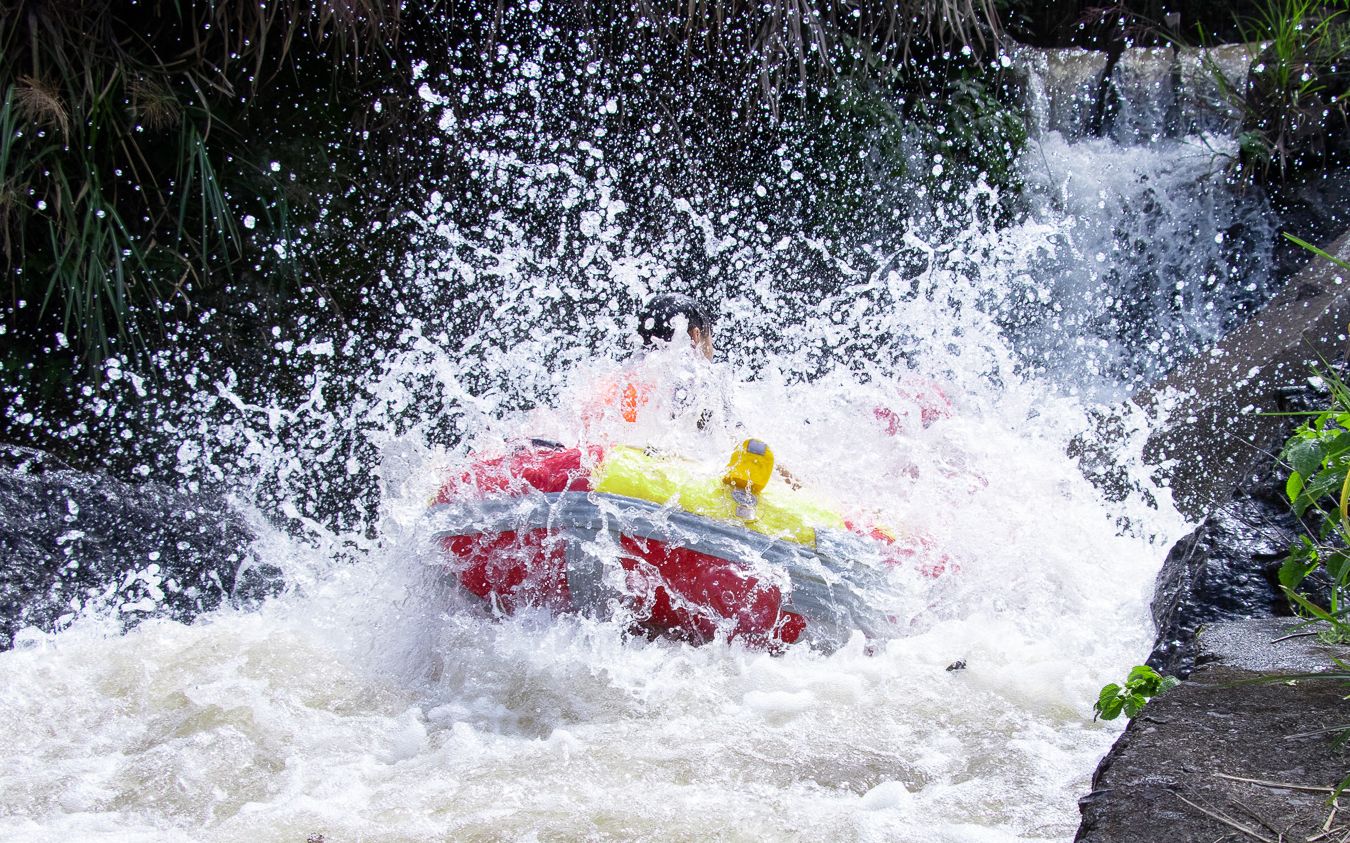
833,585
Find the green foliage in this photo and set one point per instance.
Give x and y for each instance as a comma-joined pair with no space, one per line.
852,135
130,150
861,130
793,42
1142,684
1318,488
972,132
1293,102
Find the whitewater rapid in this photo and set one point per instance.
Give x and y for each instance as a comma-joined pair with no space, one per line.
371,701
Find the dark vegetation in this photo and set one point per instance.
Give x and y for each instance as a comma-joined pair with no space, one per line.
173,163
1098,23
182,181
181,178
1293,103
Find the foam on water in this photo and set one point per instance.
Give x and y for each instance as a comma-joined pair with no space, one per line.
373,701
375,706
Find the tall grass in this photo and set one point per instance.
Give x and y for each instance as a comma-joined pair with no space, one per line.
121,135
1293,102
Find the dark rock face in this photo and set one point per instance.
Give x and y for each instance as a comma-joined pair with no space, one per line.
1172,764
68,539
1227,569
1315,209
1177,772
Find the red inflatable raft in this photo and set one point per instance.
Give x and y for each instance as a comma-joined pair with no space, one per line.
620,532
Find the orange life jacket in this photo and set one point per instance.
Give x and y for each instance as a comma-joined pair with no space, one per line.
623,394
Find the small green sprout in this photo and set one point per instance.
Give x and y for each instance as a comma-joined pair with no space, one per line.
1143,682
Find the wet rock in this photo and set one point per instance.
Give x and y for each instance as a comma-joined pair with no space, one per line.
1177,771
71,539
1315,208
1226,569
1213,410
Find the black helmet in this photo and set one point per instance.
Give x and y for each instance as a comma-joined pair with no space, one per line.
656,319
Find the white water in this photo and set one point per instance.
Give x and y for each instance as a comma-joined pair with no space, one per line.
371,702
376,706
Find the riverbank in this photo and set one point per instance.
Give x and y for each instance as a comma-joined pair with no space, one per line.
1226,757
1245,748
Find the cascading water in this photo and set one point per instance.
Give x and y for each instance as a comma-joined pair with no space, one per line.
1154,255
370,700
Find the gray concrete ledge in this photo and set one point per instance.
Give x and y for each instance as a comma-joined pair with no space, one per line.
1223,758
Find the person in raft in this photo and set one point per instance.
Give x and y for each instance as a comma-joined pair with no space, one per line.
669,394
669,389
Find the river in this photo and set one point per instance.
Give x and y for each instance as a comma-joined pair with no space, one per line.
370,701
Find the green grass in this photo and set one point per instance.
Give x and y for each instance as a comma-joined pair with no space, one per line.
1295,95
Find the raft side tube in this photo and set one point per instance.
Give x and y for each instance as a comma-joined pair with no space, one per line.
826,584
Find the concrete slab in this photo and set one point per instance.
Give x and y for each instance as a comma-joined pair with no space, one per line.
1268,645
1222,758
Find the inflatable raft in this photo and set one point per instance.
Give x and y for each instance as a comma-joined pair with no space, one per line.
677,548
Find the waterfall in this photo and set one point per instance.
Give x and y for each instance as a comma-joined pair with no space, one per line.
1152,93
1158,251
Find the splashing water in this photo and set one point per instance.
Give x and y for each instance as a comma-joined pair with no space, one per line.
371,700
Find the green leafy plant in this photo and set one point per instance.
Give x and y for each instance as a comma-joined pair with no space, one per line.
1142,684
974,133
1318,488
792,42
861,130
1292,102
